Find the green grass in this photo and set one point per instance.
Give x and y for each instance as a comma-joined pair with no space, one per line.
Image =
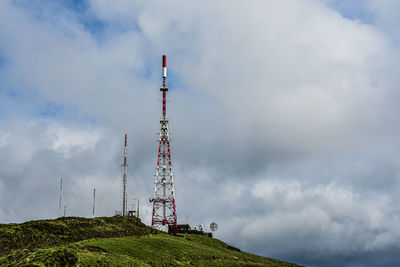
58,256
49,233
156,250
166,250
114,241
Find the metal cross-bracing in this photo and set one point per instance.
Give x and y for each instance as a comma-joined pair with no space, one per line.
164,208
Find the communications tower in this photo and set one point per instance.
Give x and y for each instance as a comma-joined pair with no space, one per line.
164,208
124,179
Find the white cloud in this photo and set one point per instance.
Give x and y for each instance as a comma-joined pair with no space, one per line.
4,139
64,139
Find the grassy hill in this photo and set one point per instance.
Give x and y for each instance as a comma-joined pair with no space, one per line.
115,241
48,233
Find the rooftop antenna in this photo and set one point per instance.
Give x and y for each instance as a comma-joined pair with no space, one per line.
124,178
164,208
59,203
94,199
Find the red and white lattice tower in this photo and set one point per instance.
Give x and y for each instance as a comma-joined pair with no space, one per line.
164,208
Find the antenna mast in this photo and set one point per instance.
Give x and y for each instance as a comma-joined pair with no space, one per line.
124,178
164,209
137,211
59,203
94,199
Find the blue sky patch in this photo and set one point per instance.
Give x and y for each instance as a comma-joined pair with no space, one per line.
354,10
75,10
51,109
3,59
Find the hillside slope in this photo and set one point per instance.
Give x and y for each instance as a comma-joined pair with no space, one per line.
137,249
47,233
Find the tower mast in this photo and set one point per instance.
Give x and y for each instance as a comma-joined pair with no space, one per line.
94,199
137,209
59,203
124,178
164,208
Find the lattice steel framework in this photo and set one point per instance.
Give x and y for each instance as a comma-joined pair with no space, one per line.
164,208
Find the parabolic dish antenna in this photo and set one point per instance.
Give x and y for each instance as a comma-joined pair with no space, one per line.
213,226
201,227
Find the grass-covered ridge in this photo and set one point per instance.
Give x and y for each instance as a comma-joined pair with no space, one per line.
155,250
48,233
115,241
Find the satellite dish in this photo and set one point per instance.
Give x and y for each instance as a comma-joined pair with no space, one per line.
201,227
213,226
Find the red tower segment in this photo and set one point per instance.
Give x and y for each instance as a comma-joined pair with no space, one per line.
164,70
164,208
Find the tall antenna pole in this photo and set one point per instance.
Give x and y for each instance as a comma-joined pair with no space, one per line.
137,212
94,199
164,209
59,203
124,178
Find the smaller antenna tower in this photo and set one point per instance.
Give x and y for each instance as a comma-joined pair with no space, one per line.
94,199
134,212
59,203
124,178
137,212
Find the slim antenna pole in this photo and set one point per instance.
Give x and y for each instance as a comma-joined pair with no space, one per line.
94,199
65,210
137,212
124,178
59,203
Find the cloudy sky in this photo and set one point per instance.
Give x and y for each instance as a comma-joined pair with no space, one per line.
284,117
